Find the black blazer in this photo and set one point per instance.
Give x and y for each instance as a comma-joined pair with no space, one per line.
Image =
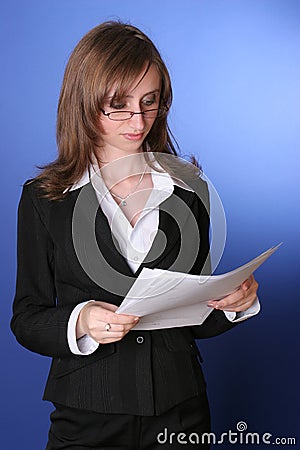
145,373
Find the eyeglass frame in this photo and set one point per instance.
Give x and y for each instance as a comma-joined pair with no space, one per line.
164,109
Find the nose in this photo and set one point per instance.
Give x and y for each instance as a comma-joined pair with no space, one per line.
137,121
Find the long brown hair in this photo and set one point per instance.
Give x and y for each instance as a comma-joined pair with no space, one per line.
110,56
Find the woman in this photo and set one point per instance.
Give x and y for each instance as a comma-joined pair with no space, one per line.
113,386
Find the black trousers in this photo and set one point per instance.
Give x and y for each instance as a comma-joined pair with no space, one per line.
181,427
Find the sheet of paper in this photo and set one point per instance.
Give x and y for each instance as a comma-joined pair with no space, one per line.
165,299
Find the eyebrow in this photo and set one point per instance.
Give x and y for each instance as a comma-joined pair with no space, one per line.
155,91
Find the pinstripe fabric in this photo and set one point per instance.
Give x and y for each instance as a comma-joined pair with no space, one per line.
126,377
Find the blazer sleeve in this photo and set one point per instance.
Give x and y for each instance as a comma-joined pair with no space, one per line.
216,323
38,323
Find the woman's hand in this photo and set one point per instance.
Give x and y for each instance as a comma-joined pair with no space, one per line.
99,321
239,300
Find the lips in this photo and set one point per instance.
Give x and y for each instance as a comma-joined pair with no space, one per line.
133,137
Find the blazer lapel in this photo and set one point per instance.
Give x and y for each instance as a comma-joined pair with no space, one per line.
172,218
107,245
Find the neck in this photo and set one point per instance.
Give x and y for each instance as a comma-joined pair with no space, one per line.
109,153
118,169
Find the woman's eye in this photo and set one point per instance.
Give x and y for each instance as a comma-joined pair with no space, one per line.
149,102
118,106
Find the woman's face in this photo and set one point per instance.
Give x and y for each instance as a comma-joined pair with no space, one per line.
119,138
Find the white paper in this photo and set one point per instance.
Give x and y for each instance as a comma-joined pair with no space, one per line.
165,299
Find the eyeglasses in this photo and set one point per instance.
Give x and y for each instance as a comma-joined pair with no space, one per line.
126,115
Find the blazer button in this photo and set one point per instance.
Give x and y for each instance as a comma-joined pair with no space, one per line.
140,340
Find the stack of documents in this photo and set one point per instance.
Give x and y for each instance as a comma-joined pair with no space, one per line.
165,299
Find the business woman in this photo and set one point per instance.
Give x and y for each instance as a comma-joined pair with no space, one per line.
115,200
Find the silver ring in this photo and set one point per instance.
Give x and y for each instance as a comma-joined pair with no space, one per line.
107,326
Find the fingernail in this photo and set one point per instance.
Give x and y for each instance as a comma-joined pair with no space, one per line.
136,319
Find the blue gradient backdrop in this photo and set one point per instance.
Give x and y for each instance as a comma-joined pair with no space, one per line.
235,68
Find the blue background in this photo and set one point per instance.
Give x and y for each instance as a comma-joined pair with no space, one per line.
235,68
